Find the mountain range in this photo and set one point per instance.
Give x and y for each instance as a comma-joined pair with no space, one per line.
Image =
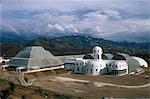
72,45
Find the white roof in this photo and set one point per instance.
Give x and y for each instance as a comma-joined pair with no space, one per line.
96,62
97,48
72,60
21,67
118,62
141,61
5,66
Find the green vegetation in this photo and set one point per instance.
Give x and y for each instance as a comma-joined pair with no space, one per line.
8,91
49,94
3,81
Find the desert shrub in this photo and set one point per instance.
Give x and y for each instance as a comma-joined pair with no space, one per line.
9,91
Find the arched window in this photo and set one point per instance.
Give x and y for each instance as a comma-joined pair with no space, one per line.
107,69
77,68
98,56
88,56
3,61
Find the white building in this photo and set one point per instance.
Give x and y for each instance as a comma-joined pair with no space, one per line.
99,63
2,60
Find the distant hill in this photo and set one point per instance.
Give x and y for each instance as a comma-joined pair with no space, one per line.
75,45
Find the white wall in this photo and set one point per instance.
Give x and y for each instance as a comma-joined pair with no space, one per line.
69,66
119,65
94,67
79,64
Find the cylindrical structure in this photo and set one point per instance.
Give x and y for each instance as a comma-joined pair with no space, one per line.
119,67
97,53
95,67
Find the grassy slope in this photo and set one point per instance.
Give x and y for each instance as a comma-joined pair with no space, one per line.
28,92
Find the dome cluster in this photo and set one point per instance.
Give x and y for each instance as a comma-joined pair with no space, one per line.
94,64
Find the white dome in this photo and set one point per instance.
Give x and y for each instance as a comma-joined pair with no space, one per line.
97,49
120,62
141,61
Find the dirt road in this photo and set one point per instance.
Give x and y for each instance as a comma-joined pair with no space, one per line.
97,84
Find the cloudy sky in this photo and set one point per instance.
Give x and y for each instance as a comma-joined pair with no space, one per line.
116,20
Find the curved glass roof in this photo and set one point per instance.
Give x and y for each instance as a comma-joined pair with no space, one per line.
133,64
88,56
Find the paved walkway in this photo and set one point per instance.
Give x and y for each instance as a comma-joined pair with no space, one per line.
97,84
71,80
23,82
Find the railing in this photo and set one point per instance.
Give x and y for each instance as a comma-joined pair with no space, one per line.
45,69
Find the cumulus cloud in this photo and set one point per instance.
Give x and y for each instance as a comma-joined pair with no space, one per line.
59,27
113,13
96,15
100,18
71,28
98,29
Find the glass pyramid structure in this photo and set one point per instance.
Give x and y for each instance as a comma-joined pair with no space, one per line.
34,57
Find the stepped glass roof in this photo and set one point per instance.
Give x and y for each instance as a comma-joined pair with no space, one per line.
35,56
